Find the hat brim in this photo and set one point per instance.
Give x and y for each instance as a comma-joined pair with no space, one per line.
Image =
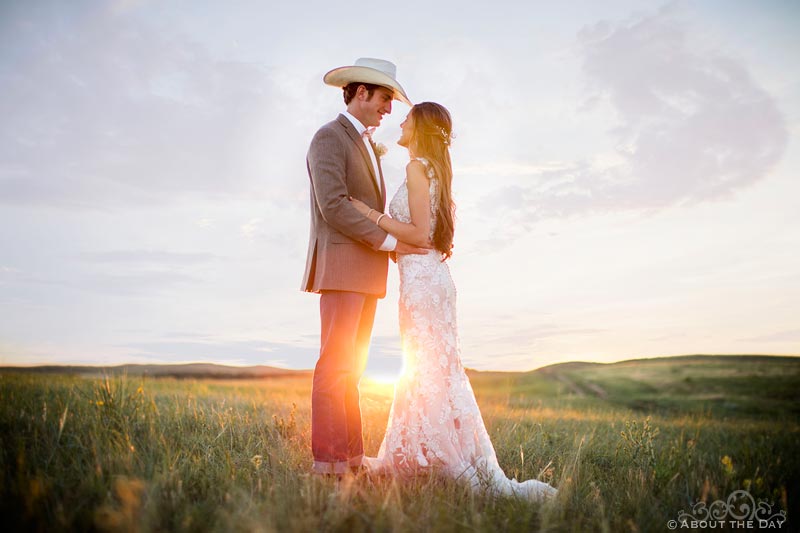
342,76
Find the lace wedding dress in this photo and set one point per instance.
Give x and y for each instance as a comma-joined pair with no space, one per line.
434,420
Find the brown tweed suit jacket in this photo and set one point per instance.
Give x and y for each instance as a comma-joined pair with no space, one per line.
343,249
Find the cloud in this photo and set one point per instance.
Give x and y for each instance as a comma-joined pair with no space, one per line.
792,335
158,257
688,124
693,124
387,346
528,334
526,344
245,352
101,109
512,169
385,354
134,283
253,228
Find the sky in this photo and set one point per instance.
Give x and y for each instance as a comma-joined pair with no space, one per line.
626,176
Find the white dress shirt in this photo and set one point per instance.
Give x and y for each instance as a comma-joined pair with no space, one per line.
390,243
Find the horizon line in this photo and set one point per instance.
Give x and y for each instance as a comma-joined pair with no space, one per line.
243,367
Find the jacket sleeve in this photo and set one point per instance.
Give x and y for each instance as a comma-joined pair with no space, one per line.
327,168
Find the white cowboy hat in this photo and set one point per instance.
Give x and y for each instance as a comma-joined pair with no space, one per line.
368,70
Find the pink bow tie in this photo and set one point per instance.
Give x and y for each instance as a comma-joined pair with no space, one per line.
368,133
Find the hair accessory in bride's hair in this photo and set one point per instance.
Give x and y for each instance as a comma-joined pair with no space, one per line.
447,138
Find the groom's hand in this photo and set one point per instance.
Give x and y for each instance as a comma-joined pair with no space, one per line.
404,248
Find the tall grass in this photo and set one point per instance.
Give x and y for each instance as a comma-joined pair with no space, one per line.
128,454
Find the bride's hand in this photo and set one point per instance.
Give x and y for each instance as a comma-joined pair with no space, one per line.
359,205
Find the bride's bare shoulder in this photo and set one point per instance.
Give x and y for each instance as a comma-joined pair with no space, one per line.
415,163
417,168
416,177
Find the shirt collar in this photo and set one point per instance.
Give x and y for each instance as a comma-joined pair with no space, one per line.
360,128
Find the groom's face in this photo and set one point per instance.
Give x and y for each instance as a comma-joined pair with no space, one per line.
373,109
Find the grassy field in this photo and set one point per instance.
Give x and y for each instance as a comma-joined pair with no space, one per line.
629,445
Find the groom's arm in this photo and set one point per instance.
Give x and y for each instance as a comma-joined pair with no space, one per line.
326,166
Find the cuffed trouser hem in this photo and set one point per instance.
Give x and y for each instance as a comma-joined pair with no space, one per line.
340,467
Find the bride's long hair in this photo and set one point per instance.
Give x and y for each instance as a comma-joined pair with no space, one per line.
431,138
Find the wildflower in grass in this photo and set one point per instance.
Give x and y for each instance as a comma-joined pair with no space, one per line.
728,464
638,441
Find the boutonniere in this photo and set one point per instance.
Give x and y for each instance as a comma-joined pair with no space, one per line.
380,150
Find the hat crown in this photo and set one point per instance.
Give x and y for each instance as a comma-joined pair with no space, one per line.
387,67
368,70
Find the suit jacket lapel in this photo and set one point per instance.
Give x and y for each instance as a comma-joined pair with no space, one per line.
380,169
356,138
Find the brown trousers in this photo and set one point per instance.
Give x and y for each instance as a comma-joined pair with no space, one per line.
346,319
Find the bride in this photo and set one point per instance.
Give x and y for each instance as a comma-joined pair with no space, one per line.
434,420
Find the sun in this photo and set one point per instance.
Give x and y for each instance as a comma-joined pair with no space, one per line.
382,384
382,379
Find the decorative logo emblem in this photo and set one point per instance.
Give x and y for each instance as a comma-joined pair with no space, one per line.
740,511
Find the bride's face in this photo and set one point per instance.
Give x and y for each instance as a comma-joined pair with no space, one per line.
408,129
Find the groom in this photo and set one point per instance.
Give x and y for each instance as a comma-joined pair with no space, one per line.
347,256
